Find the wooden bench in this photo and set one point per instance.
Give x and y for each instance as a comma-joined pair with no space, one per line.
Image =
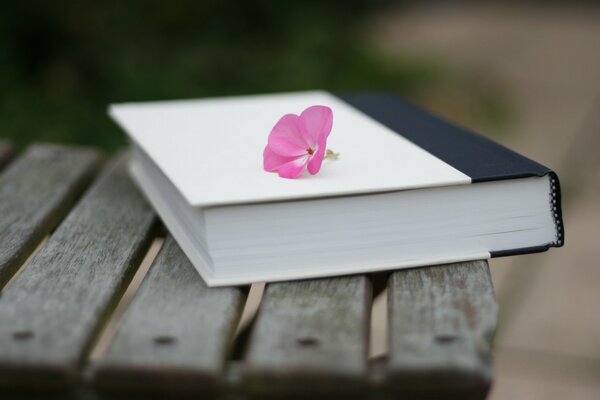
73,231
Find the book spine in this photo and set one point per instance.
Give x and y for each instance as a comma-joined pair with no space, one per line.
556,209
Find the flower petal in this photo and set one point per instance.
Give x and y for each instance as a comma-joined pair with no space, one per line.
317,122
286,138
314,165
272,161
293,169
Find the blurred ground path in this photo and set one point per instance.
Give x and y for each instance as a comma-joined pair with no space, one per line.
547,59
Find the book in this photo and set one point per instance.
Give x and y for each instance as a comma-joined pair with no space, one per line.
408,188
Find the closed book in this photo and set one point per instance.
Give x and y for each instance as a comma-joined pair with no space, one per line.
407,188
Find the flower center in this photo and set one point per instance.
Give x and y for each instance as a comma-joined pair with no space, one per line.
310,151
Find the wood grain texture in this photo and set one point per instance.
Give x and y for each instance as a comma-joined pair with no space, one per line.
36,191
310,336
441,320
7,151
52,310
176,334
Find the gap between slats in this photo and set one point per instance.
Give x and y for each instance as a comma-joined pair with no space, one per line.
378,338
101,344
251,307
25,263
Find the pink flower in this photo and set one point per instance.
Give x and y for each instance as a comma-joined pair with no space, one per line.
296,142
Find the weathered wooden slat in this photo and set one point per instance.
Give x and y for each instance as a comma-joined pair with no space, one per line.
7,151
53,309
310,336
176,334
36,191
442,320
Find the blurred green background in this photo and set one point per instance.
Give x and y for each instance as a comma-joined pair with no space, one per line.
63,62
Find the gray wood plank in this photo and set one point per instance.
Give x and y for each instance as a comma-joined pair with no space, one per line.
36,191
176,334
310,336
51,312
441,320
7,151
